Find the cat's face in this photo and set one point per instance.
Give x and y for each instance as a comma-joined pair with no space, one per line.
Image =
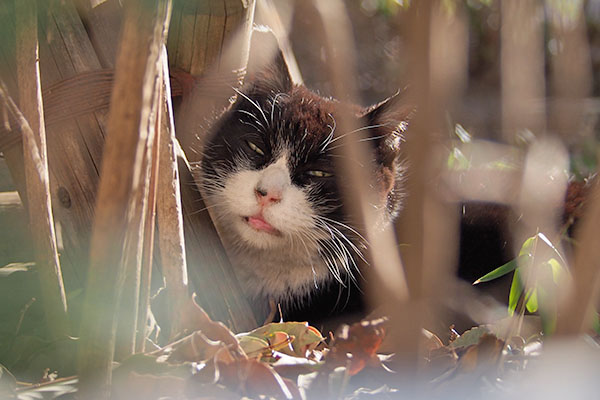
268,172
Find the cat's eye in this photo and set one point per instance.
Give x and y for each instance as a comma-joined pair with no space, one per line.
319,174
255,148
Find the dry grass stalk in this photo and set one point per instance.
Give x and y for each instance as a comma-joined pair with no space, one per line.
169,210
388,284
129,125
36,170
149,230
141,208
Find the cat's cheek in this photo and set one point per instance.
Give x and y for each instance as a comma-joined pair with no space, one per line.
239,194
294,215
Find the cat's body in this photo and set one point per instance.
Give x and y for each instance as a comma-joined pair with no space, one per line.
269,178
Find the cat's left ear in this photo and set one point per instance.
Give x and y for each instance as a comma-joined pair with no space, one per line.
388,120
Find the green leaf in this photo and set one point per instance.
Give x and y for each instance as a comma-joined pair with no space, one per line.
500,271
252,345
516,288
528,246
532,301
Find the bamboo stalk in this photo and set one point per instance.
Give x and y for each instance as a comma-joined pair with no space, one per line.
129,125
36,170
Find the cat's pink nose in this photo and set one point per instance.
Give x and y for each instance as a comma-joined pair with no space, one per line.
266,197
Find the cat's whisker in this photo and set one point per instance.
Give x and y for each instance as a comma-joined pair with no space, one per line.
254,104
339,238
345,226
364,128
372,138
341,251
204,209
312,267
254,118
274,101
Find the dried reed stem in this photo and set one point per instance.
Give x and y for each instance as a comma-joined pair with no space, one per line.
169,210
129,127
36,170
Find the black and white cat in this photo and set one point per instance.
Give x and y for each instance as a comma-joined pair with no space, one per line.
269,178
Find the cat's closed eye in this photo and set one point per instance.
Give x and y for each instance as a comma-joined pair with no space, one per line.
255,148
319,174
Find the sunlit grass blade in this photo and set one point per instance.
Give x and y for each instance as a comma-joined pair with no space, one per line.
502,270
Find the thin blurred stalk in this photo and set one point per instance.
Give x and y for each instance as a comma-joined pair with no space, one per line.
522,66
571,83
355,165
36,169
577,312
428,224
571,76
446,80
129,125
389,285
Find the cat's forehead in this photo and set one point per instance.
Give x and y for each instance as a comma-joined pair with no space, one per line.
312,116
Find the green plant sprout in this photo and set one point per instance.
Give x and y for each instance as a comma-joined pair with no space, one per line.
537,274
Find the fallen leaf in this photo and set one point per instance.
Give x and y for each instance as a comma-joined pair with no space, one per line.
194,318
355,346
305,337
195,347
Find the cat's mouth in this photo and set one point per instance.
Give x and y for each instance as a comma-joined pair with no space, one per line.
258,223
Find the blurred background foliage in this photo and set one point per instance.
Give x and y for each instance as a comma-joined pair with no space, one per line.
380,34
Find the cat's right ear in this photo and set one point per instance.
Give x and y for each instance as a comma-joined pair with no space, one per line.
267,68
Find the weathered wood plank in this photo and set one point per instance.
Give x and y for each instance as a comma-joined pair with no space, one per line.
103,25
